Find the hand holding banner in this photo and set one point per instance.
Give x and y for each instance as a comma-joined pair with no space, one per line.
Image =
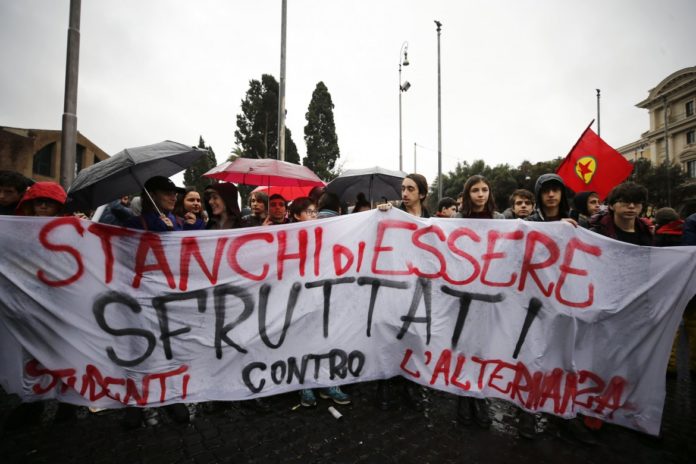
544,315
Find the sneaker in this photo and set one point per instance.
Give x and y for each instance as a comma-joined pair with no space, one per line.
178,412
526,427
574,428
384,400
65,413
335,394
307,398
481,415
465,410
257,404
133,418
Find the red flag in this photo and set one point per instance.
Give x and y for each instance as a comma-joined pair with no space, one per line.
593,165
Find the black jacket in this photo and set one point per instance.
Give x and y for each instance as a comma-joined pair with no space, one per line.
538,213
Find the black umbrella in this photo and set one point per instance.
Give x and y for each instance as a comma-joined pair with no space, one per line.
127,171
376,183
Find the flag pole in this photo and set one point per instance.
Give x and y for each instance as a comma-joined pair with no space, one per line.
578,141
599,130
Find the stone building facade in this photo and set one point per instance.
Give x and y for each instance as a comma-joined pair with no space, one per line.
671,107
36,153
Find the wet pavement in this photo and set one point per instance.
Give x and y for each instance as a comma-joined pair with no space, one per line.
237,433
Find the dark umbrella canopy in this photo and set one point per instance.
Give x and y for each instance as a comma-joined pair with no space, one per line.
127,171
376,183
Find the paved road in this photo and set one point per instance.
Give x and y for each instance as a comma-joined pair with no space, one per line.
365,434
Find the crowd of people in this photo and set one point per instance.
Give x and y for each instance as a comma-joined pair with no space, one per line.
164,207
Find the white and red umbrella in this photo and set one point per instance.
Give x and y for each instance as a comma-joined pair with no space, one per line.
289,193
265,171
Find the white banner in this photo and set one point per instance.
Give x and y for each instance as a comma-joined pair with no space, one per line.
550,317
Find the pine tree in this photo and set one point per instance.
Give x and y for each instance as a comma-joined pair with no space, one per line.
320,134
193,176
257,125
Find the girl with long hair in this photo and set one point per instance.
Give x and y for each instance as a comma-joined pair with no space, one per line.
224,208
189,210
478,202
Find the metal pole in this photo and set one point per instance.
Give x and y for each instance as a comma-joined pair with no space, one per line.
599,130
400,140
403,59
414,157
667,163
281,93
69,128
439,116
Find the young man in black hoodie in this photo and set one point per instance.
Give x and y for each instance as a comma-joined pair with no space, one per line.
552,205
551,200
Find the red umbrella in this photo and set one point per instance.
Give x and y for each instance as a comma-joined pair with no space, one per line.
265,171
289,193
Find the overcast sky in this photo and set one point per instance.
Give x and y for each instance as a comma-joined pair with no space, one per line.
518,76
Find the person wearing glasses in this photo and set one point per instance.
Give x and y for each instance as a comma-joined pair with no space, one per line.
622,221
42,199
303,209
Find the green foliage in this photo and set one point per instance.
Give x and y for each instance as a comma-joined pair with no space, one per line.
320,134
236,153
505,179
257,125
193,174
291,153
661,179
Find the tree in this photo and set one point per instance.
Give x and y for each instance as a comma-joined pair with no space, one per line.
257,125
503,179
193,176
320,134
659,180
236,153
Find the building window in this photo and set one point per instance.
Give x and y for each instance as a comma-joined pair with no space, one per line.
43,161
689,108
691,168
79,155
690,137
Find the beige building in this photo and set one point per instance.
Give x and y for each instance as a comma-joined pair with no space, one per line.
36,153
672,110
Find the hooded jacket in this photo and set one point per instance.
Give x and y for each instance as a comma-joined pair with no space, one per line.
579,211
49,190
689,231
669,234
538,213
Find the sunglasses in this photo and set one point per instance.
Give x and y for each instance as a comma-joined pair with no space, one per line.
45,202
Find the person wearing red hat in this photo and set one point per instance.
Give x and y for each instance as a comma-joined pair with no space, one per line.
42,199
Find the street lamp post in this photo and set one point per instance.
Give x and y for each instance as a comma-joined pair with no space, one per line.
68,137
439,116
402,88
414,157
281,85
